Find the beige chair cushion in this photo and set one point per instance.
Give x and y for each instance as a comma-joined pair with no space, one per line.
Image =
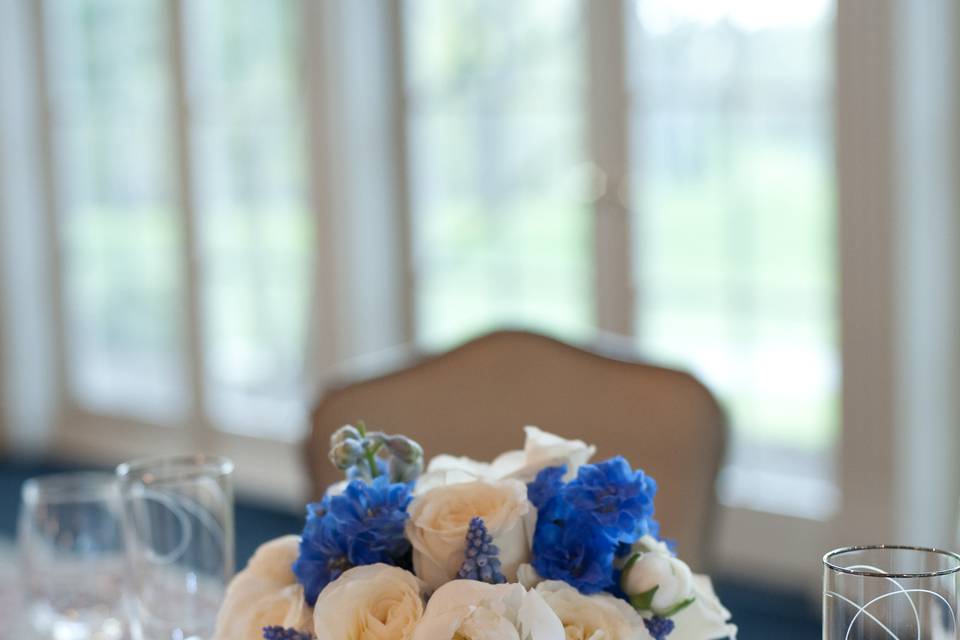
475,400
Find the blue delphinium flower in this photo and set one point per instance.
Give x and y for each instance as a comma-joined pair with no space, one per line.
619,498
659,628
547,484
285,633
363,525
372,517
324,555
481,560
568,545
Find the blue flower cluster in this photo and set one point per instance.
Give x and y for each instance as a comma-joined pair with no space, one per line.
363,525
584,524
659,628
285,633
481,557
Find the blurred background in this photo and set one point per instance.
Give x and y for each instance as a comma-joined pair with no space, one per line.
210,210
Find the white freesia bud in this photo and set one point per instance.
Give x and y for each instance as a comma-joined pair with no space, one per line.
702,617
264,594
371,602
439,520
405,449
470,610
346,454
670,577
346,432
595,617
401,471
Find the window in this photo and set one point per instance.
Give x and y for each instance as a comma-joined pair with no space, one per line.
183,251
730,165
252,208
732,155
499,174
112,127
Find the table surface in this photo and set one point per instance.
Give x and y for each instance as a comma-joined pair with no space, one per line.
9,594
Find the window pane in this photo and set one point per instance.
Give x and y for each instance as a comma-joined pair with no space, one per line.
734,199
110,97
499,179
254,222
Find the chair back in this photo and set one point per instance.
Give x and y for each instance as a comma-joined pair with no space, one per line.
475,399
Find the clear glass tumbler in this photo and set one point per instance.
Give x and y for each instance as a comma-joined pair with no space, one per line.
890,592
71,556
178,527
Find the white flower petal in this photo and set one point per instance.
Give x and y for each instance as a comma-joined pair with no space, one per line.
706,618
471,610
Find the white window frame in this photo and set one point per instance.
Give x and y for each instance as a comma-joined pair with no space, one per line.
897,477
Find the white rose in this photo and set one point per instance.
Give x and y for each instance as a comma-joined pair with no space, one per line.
264,594
439,519
540,450
470,610
706,618
371,602
528,576
652,566
595,617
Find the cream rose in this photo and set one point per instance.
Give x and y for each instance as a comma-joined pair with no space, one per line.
439,519
470,610
594,617
264,594
372,602
540,450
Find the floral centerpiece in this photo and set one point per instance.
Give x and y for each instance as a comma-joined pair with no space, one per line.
539,544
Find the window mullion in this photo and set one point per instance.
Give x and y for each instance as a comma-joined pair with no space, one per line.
402,174
323,327
188,223
608,108
34,392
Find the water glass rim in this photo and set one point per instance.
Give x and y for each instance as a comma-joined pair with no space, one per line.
866,573
69,486
183,467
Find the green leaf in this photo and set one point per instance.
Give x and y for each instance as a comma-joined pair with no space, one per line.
675,609
643,601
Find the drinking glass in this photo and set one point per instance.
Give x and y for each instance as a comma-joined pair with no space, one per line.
71,556
178,527
890,592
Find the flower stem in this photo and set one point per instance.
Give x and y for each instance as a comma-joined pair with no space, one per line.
370,454
372,460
